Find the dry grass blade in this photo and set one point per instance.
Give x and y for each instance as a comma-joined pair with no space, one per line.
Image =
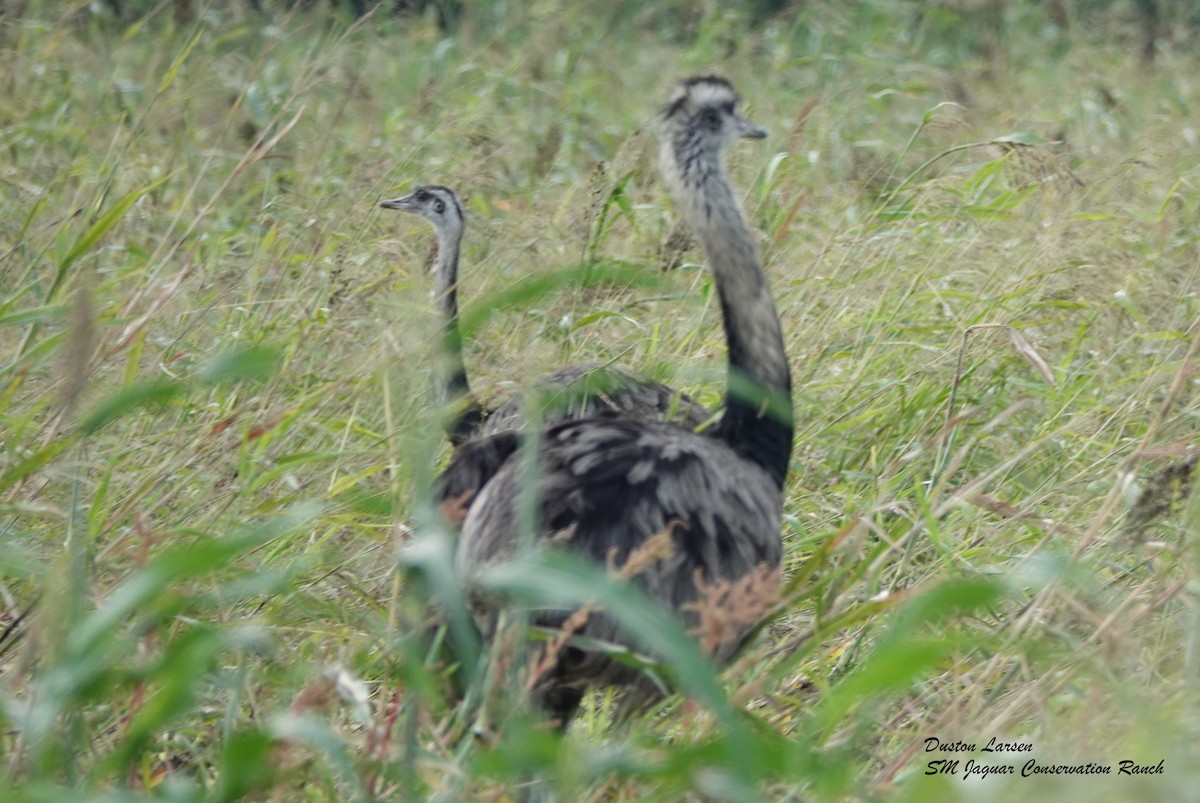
1023,347
77,356
1026,350
135,326
657,547
801,121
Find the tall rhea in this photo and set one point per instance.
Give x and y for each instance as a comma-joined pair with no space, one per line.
688,516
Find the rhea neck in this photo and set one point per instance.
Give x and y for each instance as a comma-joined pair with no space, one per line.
453,389
758,418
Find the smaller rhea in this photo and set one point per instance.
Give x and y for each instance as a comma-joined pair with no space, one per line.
439,205
589,389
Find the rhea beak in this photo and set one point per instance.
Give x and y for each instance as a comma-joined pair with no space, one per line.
403,204
748,130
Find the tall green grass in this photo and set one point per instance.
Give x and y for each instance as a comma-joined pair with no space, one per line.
218,569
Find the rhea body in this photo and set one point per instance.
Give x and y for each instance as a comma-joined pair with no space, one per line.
606,485
582,390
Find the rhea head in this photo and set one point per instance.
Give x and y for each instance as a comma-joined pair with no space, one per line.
699,121
437,204
702,114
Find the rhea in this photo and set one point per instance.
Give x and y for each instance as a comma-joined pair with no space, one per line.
582,390
607,487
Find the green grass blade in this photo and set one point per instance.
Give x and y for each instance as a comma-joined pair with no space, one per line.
97,230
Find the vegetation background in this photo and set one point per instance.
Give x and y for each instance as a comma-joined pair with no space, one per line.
982,225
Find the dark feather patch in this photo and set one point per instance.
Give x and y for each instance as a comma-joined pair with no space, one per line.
605,487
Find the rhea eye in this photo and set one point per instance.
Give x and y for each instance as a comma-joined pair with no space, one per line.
711,119
439,207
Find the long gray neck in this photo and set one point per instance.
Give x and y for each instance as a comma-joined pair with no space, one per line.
758,419
454,392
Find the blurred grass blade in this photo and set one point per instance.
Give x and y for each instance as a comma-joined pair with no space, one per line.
245,765
431,554
176,65
297,729
95,646
904,653
30,357
147,393
252,362
36,460
191,560
175,679
527,293
557,580
42,314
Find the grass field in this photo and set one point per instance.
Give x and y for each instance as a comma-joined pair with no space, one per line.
217,421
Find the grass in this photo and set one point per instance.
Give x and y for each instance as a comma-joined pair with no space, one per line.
216,416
